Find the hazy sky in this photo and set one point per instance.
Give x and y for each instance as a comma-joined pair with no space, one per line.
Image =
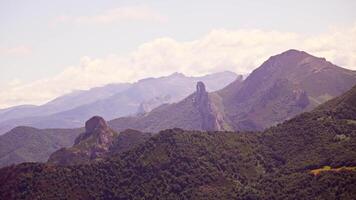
48,48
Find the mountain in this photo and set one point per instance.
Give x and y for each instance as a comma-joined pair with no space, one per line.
25,144
195,112
97,142
149,105
138,88
111,101
282,87
172,88
66,146
62,103
91,144
176,164
30,114
286,90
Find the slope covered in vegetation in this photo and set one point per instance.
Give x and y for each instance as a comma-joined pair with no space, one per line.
178,164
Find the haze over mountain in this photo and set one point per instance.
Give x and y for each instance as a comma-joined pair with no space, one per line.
196,112
282,87
178,100
62,103
178,164
110,101
271,99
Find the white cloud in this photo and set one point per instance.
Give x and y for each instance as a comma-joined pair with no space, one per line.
240,51
119,14
20,50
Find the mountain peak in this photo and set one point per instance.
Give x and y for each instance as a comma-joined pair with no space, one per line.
293,52
97,128
289,57
293,63
204,106
201,88
91,144
95,123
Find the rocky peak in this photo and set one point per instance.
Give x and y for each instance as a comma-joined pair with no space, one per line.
203,104
201,95
95,123
293,52
201,88
94,143
98,128
295,60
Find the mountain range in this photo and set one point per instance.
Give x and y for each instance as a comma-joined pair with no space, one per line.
282,87
278,163
111,101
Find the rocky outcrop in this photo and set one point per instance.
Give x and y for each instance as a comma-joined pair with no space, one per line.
204,105
94,143
97,142
97,128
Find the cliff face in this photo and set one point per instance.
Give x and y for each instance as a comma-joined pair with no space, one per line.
92,144
97,128
204,105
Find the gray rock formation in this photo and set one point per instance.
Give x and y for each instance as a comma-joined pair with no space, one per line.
203,104
94,143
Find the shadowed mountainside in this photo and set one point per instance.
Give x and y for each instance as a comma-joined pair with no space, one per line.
24,144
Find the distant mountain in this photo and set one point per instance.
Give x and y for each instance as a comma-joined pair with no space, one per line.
282,87
149,105
97,142
178,164
282,93
25,144
30,114
111,101
62,103
56,120
195,112
171,88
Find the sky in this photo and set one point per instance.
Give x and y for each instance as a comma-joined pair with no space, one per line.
50,48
